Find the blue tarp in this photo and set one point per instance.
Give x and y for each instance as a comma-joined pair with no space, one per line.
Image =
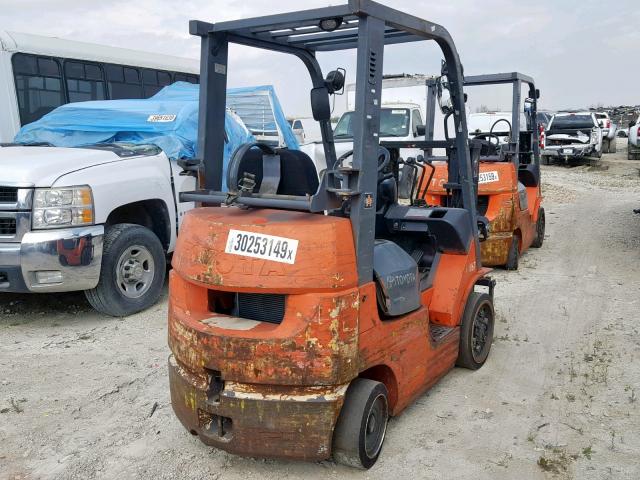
262,113
169,120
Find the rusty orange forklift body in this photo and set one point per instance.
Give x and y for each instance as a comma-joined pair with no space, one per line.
303,313
509,187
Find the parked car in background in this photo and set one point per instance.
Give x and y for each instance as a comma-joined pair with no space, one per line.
402,117
608,132
38,74
543,118
571,136
306,130
633,152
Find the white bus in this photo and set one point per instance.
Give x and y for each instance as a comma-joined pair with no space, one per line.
38,74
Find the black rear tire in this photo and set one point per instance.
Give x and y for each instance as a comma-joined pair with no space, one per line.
540,228
476,331
613,145
109,296
513,258
605,146
362,424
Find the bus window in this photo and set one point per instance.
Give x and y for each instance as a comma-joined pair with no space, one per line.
185,77
123,82
154,80
84,81
38,85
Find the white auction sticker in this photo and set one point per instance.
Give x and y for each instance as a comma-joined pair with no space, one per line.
488,177
258,245
161,118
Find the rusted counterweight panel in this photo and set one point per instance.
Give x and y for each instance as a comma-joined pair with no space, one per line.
495,250
316,343
258,420
325,259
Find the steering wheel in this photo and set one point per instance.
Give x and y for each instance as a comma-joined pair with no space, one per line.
488,137
502,120
236,161
384,158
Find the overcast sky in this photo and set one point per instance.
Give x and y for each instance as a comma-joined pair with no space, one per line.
580,52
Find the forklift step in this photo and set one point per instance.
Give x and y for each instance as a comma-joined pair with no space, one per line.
439,332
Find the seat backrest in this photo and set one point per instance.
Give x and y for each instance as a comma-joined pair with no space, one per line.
298,174
529,175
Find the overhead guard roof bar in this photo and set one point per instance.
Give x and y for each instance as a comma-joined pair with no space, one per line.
290,29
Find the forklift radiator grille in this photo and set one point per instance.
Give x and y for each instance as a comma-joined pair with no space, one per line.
262,307
483,204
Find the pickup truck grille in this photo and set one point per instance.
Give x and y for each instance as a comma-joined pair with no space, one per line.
568,141
8,195
7,226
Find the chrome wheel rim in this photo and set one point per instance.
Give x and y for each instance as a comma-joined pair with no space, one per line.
135,271
376,426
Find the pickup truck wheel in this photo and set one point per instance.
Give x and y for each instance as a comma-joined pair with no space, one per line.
362,424
546,160
513,258
476,331
540,227
605,145
133,271
613,145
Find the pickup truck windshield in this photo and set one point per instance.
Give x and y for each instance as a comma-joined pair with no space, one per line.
572,122
394,122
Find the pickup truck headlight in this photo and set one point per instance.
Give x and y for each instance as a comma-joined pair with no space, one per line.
62,207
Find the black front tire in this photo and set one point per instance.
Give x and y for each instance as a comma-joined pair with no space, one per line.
107,297
476,331
513,258
540,228
362,424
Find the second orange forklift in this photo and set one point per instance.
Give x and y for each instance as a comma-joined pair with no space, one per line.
509,187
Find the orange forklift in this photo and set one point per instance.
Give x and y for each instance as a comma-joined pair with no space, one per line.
509,191
304,312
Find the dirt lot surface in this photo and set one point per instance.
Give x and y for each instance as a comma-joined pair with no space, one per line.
85,396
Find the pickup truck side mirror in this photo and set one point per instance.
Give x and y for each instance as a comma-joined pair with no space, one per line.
632,124
421,130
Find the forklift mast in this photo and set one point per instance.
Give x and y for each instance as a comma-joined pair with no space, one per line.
366,26
516,79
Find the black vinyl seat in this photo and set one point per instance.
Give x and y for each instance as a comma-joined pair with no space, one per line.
297,172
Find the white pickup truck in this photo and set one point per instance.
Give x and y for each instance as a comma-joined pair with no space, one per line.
572,136
100,219
609,132
633,139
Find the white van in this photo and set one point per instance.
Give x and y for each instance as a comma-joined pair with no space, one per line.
38,74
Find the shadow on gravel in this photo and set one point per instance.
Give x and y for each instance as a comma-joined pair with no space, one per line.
22,305
12,304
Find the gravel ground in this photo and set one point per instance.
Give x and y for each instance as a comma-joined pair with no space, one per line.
85,396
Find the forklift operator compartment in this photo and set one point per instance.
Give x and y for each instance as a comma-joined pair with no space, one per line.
301,310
